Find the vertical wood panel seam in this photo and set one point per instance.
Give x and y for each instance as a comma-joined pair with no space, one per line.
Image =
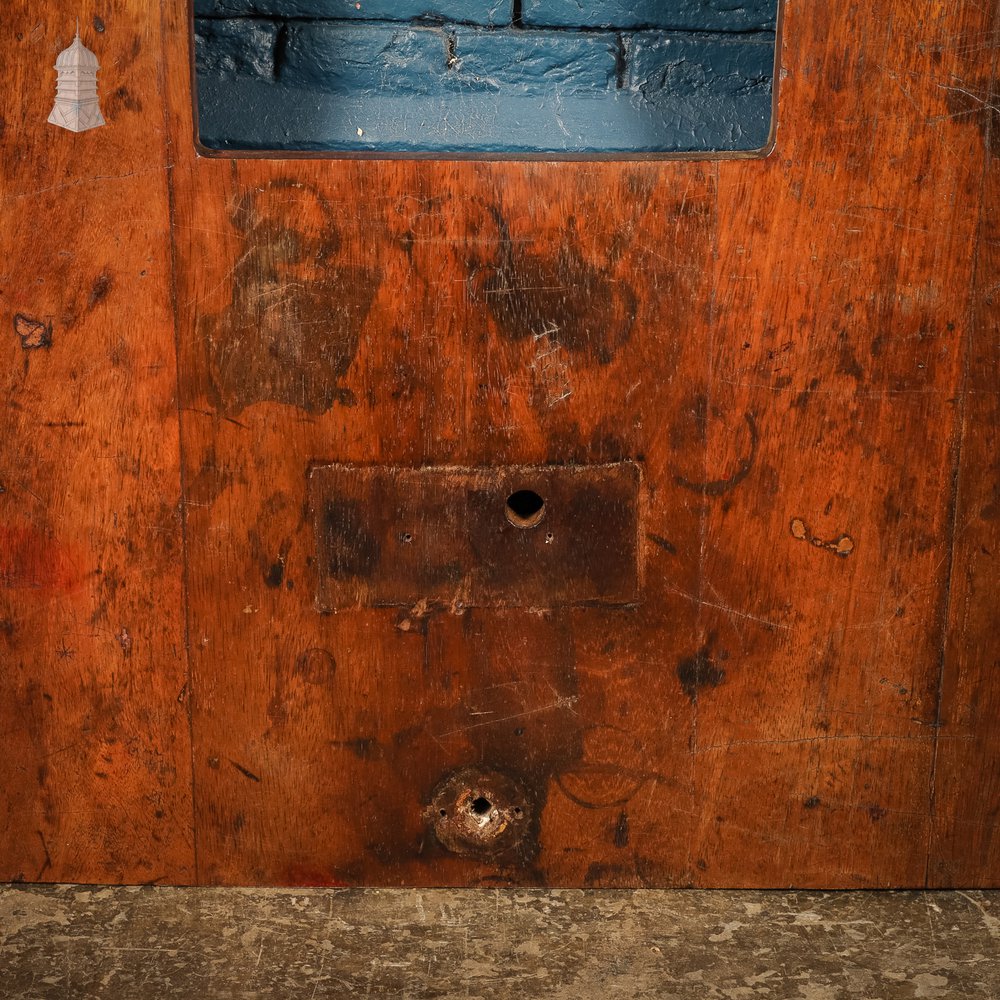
703,512
956,451
182,475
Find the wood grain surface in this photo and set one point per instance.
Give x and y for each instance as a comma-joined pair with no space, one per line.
800,354
966,795
95,755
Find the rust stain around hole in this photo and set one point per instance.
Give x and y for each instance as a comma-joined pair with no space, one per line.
480,813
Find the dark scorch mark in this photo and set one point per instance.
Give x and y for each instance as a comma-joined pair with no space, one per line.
351,549
588,310
699,672
99,290
293,325
275,575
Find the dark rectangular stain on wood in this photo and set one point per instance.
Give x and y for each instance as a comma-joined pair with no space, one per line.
523,536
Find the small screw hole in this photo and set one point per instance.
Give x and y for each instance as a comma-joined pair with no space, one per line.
444,812
480,806
525,508
406,538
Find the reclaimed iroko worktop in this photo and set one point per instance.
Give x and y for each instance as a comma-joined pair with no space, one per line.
759,397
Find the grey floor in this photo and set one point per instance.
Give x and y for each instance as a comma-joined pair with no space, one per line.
69,941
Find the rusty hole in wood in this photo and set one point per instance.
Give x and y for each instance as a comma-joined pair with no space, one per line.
525,508
479,813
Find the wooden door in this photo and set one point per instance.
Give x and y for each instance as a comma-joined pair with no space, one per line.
264,615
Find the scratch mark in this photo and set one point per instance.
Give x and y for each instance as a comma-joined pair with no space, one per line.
48,858
246,773
802,740
985,102
701,602
991,923
550,366
97,179
559,703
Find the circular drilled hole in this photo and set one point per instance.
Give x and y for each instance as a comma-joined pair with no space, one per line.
525,508
480,806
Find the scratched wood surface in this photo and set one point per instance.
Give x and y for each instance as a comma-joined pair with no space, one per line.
799,353
966,795
95,760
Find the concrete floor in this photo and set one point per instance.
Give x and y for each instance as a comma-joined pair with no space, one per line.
137,943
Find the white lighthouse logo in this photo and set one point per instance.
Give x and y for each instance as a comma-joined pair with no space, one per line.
77,107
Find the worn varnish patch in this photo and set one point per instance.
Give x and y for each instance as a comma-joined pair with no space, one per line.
560,297
293,325
516,537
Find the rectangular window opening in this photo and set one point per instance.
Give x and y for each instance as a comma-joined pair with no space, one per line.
486,78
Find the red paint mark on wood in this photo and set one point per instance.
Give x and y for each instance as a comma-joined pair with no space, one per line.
31,560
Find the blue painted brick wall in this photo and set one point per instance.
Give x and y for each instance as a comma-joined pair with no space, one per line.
435,60
453,77
499,12
683,15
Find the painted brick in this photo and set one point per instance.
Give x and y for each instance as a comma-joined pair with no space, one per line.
686,15
394,88
485,12
536,63
250,114
661,65
355,60
383,58
243,47
717,92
